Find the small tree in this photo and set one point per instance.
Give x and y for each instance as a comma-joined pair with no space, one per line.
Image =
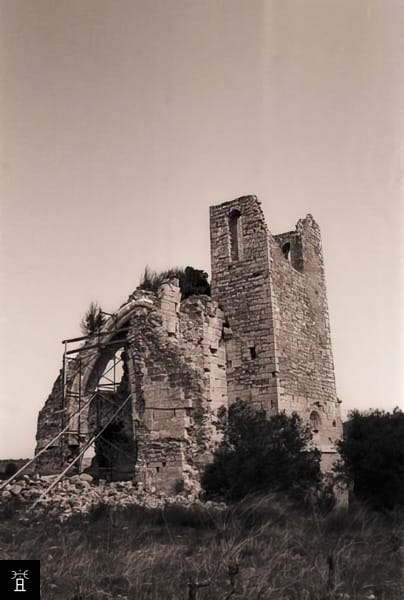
93,320
372,457
260,455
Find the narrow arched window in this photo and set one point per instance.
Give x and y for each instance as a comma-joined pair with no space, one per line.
286,251
315,421
235,235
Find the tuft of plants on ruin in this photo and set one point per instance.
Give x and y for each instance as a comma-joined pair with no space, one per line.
191,281
93,319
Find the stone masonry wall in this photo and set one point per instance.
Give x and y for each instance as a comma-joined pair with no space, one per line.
307,383
242,288
180,381
272,290
49,425
175,362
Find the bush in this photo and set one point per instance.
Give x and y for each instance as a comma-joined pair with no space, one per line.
194,282
372,453
191,281
260,455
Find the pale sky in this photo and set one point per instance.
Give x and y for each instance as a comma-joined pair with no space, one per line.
123,120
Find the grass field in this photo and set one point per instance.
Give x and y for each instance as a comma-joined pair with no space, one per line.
260,549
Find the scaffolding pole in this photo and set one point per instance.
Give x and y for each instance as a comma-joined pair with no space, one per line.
67,356
85,448
48,445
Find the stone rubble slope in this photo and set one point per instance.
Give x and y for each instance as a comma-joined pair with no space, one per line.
79,495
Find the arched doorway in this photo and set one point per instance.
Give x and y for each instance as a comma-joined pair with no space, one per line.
113,454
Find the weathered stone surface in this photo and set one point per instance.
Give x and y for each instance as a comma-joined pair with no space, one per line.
174,369
272,291
262,337
67,498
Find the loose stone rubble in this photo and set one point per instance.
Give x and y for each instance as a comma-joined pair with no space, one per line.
79,495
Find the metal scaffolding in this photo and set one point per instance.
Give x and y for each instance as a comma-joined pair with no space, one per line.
72,368
82,451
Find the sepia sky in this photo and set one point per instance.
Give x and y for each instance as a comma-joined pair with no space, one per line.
123,120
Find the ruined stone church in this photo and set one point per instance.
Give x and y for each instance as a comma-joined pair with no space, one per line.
138,399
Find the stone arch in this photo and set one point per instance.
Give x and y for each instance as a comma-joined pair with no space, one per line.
113,455
94,361
84,383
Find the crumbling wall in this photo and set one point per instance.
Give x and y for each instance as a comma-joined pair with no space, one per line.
176,376
48,426
307,382
79,381
180,380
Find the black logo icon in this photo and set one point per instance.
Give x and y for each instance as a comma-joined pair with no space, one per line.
20,579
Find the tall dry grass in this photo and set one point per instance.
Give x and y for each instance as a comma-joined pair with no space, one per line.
260,549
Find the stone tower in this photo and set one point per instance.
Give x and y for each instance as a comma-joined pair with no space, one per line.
277,335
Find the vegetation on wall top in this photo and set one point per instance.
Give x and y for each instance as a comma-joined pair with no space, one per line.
191,281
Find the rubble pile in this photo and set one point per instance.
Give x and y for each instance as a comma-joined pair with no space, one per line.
79,494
